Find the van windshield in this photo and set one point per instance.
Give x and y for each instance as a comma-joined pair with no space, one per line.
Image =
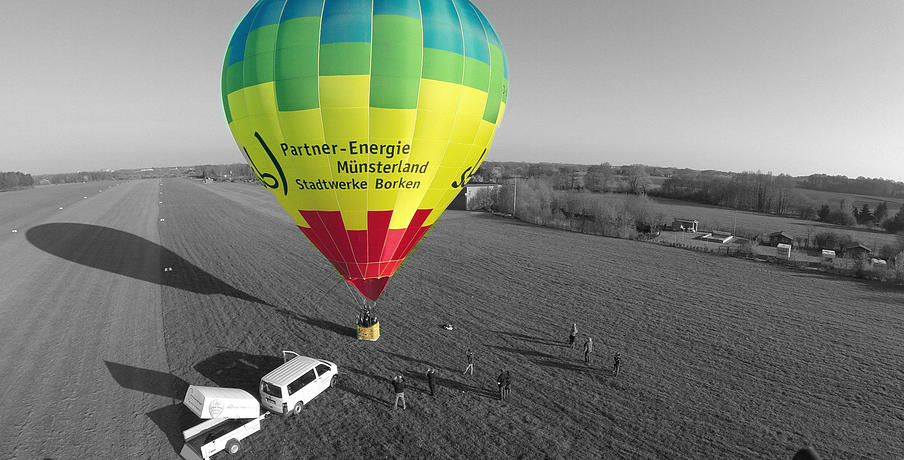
271,389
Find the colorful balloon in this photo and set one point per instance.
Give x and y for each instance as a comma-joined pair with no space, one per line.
364,118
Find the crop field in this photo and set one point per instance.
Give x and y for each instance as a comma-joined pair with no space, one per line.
729,220
721,357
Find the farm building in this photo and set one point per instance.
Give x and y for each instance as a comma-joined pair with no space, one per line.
783,250
856,251
685,225
718,237
780,238
466,197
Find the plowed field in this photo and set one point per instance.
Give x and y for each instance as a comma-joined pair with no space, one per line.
721,357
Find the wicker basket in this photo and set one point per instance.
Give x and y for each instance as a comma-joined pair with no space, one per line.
368,332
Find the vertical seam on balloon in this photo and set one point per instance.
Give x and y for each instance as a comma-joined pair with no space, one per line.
323,134
489,80
275,52
244,61
370,63
413,129
461,83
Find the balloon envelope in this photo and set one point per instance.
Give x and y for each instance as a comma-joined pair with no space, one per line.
364,118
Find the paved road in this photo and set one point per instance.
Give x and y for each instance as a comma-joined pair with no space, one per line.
83,369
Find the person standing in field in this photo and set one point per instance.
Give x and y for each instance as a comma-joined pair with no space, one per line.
431,380
470,367
500,382
398,385
588,348
507,384
616,363
573,336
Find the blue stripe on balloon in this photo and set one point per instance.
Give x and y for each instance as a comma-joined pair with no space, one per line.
302,8
240,36
442,29
475,37
346,21
399,7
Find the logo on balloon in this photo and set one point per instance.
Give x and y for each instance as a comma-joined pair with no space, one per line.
265,178
467,173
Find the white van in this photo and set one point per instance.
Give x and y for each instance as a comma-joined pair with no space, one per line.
289,387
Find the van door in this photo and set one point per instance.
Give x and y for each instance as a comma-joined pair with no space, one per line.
287,355
301,388
323,380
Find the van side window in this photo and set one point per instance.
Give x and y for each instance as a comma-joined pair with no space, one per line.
300,383
322,369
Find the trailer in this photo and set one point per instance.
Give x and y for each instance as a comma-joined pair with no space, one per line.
232,415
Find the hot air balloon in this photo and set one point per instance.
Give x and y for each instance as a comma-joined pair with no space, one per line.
364,118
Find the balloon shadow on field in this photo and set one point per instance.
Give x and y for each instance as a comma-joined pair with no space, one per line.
147,381
234,369
169,419
129,255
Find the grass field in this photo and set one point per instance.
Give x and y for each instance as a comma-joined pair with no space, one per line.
721,357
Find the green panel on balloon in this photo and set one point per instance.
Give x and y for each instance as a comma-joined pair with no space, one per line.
396,67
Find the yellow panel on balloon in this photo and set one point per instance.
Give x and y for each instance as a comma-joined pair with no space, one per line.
397,124
237,105
345,91
434,125
341,125
438,95
261,99
302,125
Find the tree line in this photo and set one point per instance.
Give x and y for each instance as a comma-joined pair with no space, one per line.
15,180
858,186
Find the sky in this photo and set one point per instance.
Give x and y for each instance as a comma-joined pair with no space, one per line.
787,86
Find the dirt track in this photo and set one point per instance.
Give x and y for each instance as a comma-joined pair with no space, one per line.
722,357
73,325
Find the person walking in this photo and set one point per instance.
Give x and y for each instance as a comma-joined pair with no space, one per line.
507,384
431,380
470,367
573,336
500,382
616,363
398,385
588,348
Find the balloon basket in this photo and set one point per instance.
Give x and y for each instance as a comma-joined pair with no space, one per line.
370,333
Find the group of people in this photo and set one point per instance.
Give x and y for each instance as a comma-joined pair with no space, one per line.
588,349
504,380
398,386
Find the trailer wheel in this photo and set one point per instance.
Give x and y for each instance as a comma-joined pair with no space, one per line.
233,446
298,408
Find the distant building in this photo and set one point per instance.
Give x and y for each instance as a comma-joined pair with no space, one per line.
685,225
856,251
466,199
780,238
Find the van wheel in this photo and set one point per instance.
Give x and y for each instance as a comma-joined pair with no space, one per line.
334,381
233,446
298,408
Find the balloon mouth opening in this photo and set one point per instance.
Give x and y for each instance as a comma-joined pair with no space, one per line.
370,287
